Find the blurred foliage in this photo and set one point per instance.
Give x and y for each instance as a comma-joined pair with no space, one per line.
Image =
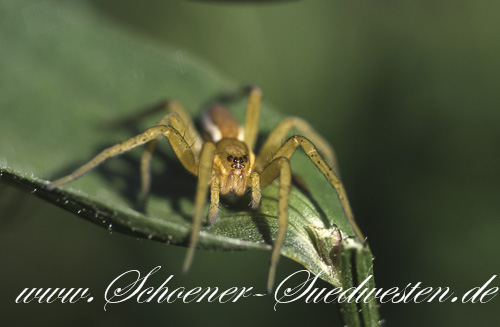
407,93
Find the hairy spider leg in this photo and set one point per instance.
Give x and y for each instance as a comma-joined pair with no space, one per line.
251,127
181,148
288,149
256,192
204,178
213,211
180,120
275,139
189,132
278,168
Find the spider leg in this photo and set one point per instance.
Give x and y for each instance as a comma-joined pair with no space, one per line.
177,119
251,127
204,178
191,134
178,143
279,167
188,130
256,192
273,142
214,202
288,149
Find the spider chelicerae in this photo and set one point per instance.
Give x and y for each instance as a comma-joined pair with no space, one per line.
225,163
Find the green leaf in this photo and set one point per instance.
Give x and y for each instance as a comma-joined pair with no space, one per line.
67,73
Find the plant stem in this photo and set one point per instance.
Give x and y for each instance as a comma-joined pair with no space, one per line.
356,265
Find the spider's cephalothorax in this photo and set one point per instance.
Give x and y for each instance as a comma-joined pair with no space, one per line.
224,162
232,166
233,160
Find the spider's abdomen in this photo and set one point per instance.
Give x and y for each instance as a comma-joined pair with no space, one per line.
218,123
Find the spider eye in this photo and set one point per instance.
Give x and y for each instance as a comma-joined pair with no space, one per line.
245,158
230,158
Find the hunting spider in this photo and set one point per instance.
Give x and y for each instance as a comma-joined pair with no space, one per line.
225,163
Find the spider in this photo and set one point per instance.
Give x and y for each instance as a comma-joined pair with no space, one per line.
224,162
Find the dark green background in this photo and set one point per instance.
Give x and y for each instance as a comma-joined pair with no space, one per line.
407,92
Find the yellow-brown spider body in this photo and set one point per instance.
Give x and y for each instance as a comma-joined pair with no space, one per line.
225,163
232,166
233,160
